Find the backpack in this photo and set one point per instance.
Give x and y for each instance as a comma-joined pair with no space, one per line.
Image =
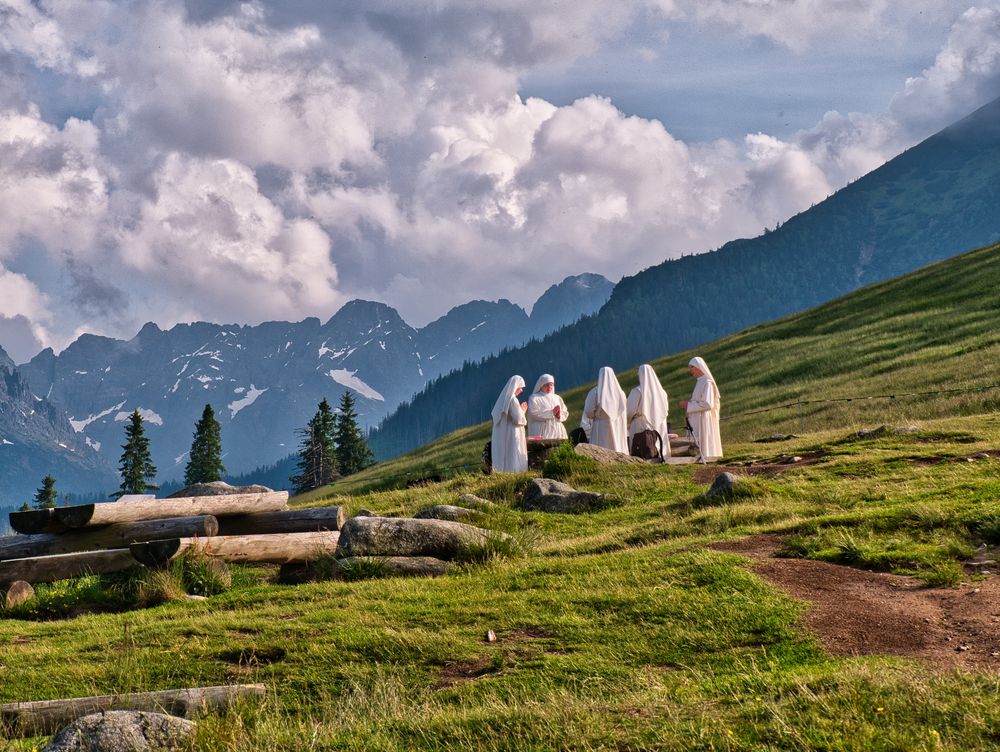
647,445
578,436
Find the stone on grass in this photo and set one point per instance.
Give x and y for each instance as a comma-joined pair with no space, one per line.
547,495
722,486
216,488
471,501
358,567
17,593
448,512
365,513
607,456
395,536
123,731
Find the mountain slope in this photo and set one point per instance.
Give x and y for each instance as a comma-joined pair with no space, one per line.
36,439
930,332
931,202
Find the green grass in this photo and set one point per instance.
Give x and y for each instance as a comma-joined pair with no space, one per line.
619,629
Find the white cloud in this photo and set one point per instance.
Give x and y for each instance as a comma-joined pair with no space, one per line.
965,74
51,187
268,160
220,247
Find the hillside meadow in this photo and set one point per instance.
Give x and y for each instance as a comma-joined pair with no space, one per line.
625,628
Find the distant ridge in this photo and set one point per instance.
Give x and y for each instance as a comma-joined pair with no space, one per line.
264,381
934,201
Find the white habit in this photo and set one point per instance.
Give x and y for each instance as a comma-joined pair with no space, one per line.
703,413
604,410
510,449
647,408
541,420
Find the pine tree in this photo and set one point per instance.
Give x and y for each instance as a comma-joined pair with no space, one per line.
205,461
353,453
136,464
317,462
45,497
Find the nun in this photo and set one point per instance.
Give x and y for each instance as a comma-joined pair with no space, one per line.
703,412
604,412
546,410
647,408
509,447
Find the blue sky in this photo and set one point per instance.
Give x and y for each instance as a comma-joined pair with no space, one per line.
176,160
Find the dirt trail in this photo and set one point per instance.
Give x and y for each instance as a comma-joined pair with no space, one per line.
855,612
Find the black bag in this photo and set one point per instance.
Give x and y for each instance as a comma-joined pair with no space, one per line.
578,436
647,445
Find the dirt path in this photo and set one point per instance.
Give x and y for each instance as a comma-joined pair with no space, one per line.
855,612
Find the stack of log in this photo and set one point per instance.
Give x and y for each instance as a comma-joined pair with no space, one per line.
66,542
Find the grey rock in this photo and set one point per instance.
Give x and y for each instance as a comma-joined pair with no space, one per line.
722,486
393,536
471,501
357,567
606,456
123,731
448,512
17,593
547,495
216,488
365,513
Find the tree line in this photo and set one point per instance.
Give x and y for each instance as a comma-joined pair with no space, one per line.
333,445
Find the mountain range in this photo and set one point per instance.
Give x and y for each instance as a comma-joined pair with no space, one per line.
934,201
65,413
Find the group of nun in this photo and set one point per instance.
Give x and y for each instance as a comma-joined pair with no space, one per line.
610,419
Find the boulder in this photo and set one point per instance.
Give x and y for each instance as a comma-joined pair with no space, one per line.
606,456
546,495
360,567
123,731
722,486
395,536
216,488
471,501
365,513
17,593
448,512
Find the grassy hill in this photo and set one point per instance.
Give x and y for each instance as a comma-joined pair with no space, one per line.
627,628
934,329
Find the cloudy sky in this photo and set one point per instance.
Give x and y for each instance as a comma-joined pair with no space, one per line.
246,161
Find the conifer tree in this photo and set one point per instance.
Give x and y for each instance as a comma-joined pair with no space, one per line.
136,464
317,462
45,497
205,460
353,453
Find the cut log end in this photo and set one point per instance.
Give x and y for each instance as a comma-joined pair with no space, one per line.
33,521
155,553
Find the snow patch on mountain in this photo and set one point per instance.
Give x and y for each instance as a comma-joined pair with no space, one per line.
95,445
252,395
79,425
348,379
149,416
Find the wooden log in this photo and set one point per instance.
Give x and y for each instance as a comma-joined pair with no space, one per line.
63,566
36,521
48,716
313,519
281,548
110,536
112,512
